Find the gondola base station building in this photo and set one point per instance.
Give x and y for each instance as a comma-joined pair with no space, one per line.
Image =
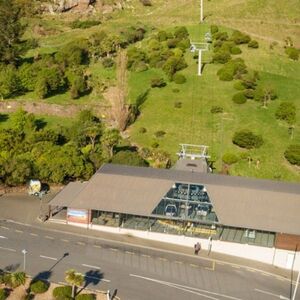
250,218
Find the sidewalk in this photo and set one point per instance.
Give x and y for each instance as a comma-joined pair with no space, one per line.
25,209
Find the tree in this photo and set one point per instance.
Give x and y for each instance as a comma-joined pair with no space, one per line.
11,30
131,158
17,279
110,139
9,82
292,154
286,111
75,279
265,94
23,122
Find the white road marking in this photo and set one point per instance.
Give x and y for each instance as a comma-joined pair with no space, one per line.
187,288
90,266
3,237
113,249
162,258
194,266
97,246
235,266
63,240
49,237
97,278
80,243
178,262
34,234
128,252
145,255
18,231
3,227
48,257
8,249
250,270
271,294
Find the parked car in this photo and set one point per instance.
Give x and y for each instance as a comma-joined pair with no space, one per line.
202,210
171,210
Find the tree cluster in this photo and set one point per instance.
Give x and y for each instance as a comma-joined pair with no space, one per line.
247,139
164,50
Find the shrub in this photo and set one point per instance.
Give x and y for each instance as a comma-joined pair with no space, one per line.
27,297
3,294
230,158
131,158
214,29
175,90
142,130
108,62
178,104
172,43
235,50
158,82
225,74
292,53
247,139
286,111
181,33
221,57
86,296
238,85
179,78
84,24
216,109
155,145
232,69
239,98
62,293
222,36
39,287
240,38
249,93
292,154
159,133
253,44
146,2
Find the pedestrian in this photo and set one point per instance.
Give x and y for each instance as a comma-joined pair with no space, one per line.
197,248
209,244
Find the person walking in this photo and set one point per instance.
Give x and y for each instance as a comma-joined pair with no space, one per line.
197,248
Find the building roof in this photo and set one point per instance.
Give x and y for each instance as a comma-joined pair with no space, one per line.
238,201
192,165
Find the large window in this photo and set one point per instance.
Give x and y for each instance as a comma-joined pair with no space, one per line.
186,201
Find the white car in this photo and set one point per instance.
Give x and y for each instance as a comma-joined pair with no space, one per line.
171,210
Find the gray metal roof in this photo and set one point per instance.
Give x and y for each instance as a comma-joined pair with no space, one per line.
239,202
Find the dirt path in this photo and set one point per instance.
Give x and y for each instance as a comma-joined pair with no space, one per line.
43,108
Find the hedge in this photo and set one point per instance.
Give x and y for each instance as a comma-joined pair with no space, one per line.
247,139
39,287
62,293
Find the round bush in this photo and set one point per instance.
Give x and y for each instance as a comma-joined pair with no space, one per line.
159,133
222,36
142,130
216,109
131,158
175,90
292,53
62,293
179,78
247,139
239,98
238,85
177,104
240,38
107,62
235,50
292,154
225,74
253,44
249,93
158,82
230,158
221,57
155,145
86,297
3,294
286,112
39,287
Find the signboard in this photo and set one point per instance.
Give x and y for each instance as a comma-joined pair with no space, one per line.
78,215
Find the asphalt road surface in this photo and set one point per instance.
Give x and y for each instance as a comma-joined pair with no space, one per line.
136,273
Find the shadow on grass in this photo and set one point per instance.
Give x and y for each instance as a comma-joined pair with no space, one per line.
3,117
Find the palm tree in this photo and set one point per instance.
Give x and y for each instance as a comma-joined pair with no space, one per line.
17,278
75,279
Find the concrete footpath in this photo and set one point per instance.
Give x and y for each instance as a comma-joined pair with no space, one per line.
24,209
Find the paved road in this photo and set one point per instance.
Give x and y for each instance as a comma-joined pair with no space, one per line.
137,273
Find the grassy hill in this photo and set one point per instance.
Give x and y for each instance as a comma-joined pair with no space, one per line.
265,20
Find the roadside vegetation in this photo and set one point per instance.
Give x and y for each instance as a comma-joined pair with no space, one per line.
137,68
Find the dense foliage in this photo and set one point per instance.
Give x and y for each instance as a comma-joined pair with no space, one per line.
39,287
247,139
292,154
286,111
62,293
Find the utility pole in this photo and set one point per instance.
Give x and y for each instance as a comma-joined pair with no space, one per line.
201,11
199,62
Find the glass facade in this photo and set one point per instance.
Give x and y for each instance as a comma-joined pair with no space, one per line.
187,202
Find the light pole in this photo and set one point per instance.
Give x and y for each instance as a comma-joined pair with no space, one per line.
201,11
296,287
24,251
